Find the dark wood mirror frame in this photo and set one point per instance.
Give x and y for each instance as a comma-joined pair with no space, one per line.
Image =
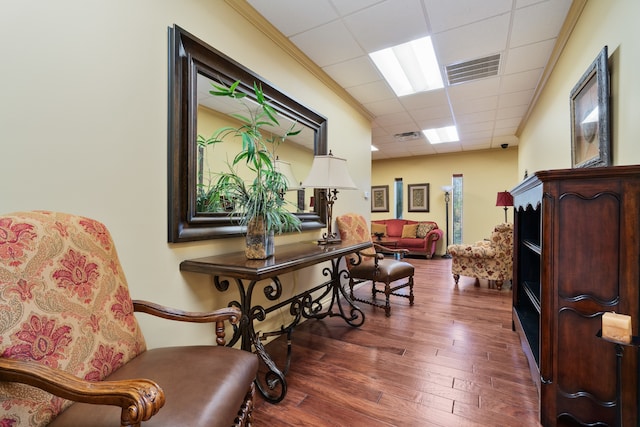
188,57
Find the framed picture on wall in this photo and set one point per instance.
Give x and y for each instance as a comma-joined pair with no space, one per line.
380,198
590,135
418,196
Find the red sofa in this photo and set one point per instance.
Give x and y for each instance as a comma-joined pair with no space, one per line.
420,237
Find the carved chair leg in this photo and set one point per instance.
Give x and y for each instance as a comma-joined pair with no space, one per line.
411,290
387,304
456,277
351,288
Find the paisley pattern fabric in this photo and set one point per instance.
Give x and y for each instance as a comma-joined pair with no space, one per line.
57,272
487,259
354,229
425,228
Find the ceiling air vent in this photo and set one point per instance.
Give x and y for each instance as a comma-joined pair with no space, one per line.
407,136
473,70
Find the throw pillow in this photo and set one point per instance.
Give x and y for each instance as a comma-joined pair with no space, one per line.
424,228
378,228
409,230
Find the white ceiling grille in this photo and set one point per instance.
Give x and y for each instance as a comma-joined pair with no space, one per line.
407,136
472,70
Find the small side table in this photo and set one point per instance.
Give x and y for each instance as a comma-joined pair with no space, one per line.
635,342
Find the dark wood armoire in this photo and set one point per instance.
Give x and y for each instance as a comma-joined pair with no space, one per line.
577,256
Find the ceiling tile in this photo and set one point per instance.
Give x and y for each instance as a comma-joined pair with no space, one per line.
346,7
515,98
445,15
472,41
381,108
307,14
425,99
372,92
328,44
538,22
520,81
386,24
354,72
476,105
528,57
472,90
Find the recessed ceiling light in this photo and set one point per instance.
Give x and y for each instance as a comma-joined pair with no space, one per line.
409,67
440,135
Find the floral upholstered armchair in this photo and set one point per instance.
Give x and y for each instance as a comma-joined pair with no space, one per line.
490,259
71,349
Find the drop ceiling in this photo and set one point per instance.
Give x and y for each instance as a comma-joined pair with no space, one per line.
338,35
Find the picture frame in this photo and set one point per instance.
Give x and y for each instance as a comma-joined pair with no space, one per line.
590,127
418,197
380,198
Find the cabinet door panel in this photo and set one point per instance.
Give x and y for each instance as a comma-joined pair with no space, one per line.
588,242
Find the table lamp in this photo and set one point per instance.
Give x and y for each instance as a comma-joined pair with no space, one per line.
330,173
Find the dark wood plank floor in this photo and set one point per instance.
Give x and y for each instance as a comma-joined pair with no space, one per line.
450,360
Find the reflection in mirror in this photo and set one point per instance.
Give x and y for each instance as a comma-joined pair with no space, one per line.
193,65
214,156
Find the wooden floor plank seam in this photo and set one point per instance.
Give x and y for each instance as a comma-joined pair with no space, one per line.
451,359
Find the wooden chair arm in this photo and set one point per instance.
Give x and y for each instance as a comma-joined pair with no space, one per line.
378,247
139,399
232,314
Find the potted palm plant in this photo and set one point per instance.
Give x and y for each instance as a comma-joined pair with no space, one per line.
256,202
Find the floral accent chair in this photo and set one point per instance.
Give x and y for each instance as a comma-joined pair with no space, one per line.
490,259
371,265
68,331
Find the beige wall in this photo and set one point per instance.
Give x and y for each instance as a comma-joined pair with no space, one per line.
545,142
484,174
83,125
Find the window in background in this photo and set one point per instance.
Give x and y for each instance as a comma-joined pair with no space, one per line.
456,203
398,197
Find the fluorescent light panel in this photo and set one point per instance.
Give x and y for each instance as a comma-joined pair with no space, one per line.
409,67
440,135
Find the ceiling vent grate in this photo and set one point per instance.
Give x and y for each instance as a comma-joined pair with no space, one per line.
473,70
407,136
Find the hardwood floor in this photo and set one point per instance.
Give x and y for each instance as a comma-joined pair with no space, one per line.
450,360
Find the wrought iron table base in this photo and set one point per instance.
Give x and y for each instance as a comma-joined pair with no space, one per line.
274,385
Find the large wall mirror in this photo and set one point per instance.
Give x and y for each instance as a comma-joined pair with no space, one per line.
193,65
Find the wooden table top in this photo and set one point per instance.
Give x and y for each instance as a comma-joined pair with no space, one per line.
287,258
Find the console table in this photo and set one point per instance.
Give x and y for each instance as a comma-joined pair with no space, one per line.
248,274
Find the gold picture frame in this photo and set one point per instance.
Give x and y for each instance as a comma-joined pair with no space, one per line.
418,197
380,198
590,131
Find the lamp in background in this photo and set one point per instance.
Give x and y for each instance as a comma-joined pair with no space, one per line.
285,169
447,198
329,173
504,199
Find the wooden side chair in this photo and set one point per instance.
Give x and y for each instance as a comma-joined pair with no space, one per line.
371,265
71,350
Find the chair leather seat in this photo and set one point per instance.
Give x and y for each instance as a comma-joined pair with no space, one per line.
214,403
389,270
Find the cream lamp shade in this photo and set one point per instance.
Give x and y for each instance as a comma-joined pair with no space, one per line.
329,172
285,169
